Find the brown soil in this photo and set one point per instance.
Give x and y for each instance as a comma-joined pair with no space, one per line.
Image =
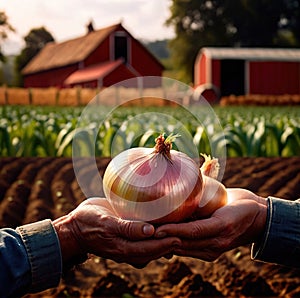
35,188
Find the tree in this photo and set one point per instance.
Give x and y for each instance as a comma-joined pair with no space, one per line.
35,40
5,27
197,23
259,23
290,21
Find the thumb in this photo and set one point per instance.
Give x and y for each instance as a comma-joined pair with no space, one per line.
135,230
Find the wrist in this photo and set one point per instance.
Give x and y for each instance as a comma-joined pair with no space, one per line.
262,219
71,251
262,200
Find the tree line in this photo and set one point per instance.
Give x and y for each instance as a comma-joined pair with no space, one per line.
198,23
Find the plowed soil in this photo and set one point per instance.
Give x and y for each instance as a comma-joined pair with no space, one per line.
32,189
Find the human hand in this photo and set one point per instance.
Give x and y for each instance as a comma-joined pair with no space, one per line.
93,227
240,222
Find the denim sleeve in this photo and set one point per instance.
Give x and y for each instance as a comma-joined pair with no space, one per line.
14,265
30,259
281,241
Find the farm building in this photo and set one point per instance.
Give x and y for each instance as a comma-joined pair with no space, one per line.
98,59
242,71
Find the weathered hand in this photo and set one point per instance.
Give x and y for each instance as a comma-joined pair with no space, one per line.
93,227
240,222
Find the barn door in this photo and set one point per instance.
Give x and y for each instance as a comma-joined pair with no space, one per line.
232,77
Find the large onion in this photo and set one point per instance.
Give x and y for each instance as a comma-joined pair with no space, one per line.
162,185
157,185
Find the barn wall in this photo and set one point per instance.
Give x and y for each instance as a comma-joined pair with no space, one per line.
274,77
143,61
49,78
216,73
121,73
201,69
99,55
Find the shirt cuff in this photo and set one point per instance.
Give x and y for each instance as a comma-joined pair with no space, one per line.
281,241
43,250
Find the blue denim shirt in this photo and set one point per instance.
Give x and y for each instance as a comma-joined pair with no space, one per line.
281,241
30,259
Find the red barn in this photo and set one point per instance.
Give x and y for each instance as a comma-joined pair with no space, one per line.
98,59
242,71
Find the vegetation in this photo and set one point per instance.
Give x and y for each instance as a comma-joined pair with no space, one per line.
35,40
5,27
7,74
49,131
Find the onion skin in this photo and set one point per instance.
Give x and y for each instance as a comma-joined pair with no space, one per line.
185,210
162,185
214,196
157,185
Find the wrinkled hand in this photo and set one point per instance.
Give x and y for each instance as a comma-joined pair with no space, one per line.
240,222
93,227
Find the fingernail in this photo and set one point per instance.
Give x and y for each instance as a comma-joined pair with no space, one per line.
161,234
148,230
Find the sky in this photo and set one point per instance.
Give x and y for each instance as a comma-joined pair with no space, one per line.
67,19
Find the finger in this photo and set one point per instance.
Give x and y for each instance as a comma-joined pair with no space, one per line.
193,230
141,252
134,230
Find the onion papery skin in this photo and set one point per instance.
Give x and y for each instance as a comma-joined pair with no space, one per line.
145,185
214,196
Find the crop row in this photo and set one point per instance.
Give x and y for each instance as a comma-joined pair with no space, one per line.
100,131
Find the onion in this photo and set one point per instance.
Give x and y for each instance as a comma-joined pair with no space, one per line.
214,194
161,185
157,185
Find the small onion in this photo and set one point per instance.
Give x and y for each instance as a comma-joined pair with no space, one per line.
157,185
214,194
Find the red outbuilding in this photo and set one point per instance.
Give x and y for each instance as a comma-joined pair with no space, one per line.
98,59
242,71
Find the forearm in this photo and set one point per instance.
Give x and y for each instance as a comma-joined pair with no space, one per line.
281,240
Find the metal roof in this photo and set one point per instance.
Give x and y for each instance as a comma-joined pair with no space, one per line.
94,72
68,52
265,54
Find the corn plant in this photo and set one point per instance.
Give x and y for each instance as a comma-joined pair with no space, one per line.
240,131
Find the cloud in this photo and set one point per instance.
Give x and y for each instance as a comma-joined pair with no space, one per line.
66,19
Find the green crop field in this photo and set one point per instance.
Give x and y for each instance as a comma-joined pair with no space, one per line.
241,131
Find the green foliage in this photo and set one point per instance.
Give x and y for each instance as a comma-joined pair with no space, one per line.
251,131
35,40
27,131
7,74
159,48
5,27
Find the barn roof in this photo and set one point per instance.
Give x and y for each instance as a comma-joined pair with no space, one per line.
55,55
94,72
266,54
